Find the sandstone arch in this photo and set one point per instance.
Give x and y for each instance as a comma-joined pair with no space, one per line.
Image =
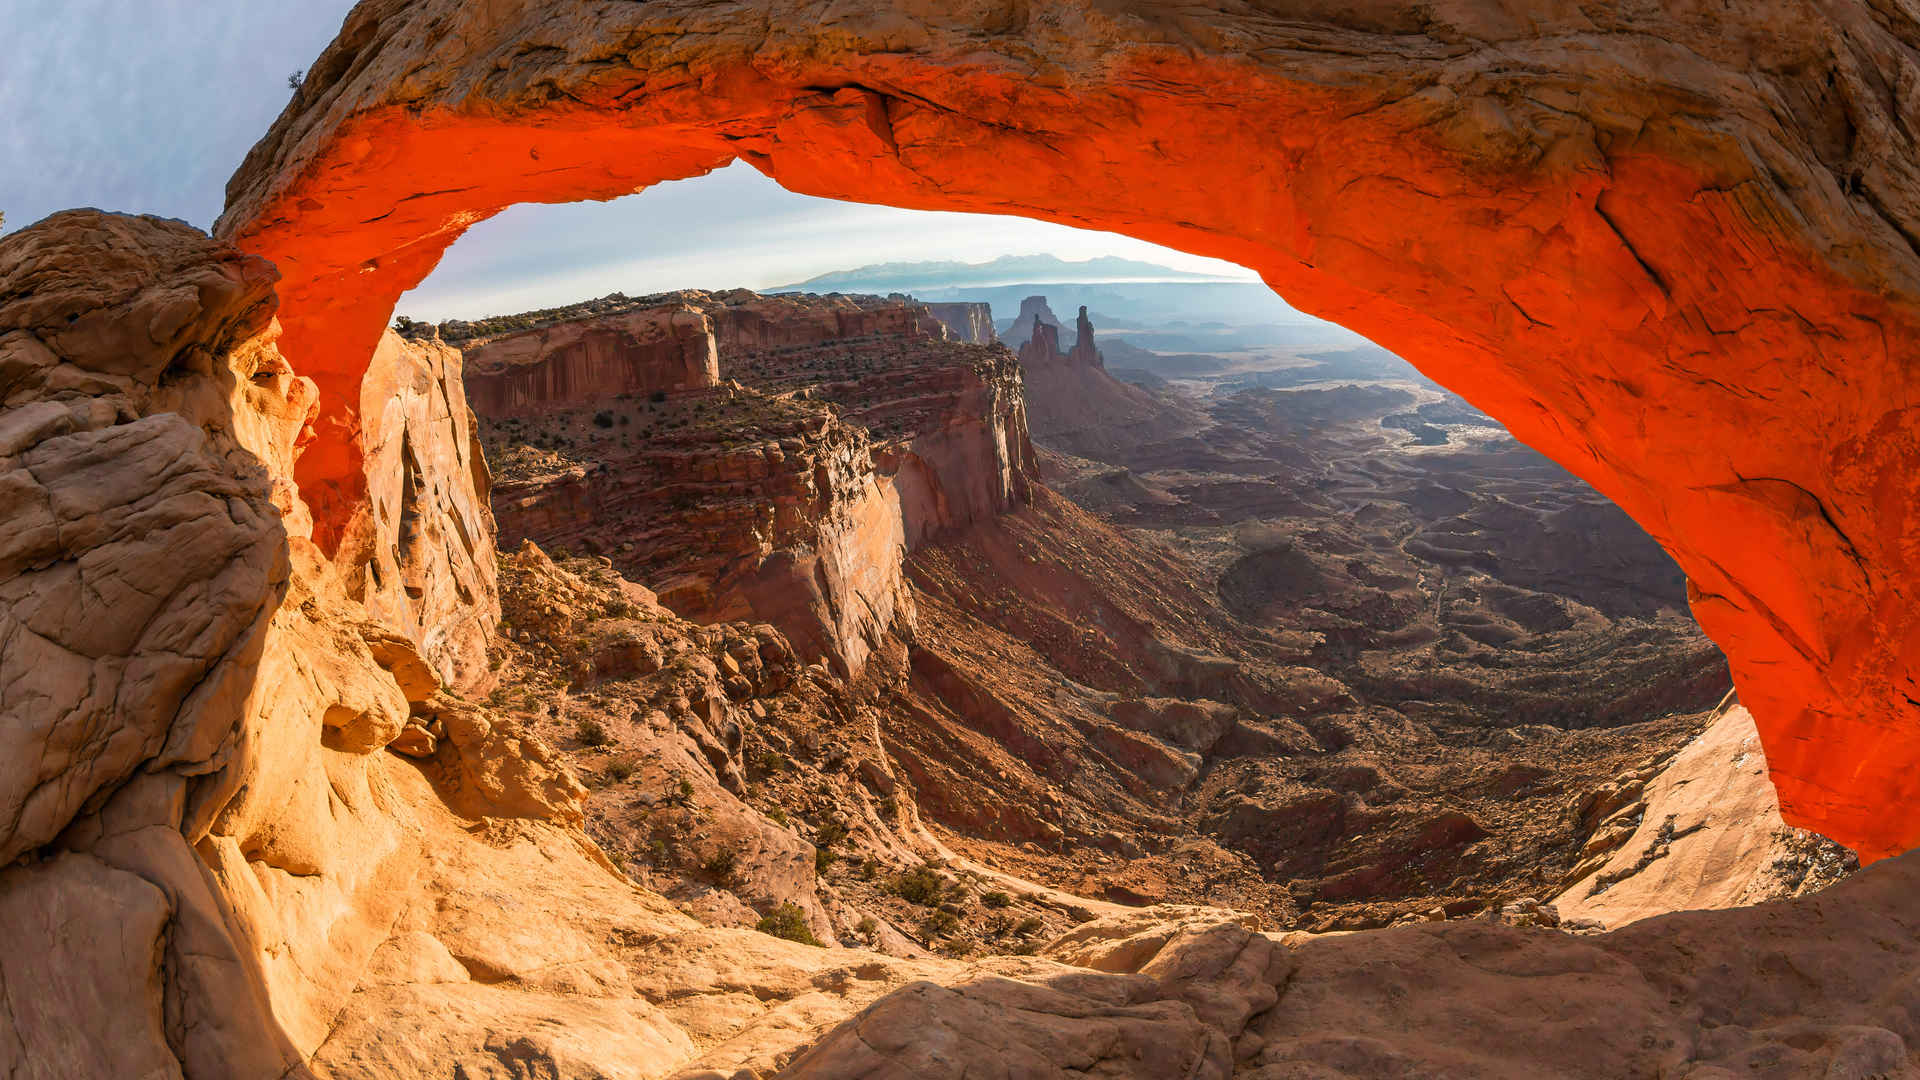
1675,247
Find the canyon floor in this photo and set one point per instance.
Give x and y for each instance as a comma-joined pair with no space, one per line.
1296,634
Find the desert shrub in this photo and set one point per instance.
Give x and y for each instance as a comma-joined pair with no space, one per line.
720,866
1029,927
620,771
939,925
922,886
686,789
592,732
831,833
603,419
787,921
996,899
778,816
822,858
867,927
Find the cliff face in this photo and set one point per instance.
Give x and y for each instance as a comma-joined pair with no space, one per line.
421,557
732,506
576,363
971,323
757,501
196,705
1084,352
747,322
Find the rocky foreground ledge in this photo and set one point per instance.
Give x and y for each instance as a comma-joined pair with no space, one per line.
252,832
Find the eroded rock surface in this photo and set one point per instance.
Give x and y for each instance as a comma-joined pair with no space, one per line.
845,433
579,362
1704,831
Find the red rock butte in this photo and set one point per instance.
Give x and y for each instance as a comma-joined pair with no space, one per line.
1677,249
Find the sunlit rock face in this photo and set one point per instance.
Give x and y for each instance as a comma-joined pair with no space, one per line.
966,322
207,847
649,351
1672,248
741,501
420,553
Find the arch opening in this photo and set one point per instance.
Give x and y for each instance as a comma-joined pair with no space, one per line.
656,436
1668,291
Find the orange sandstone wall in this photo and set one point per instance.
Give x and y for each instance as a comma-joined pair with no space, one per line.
575,363
1677,249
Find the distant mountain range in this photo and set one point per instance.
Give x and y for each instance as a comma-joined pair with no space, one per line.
1007,270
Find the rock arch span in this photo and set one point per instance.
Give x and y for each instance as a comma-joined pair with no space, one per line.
1675,247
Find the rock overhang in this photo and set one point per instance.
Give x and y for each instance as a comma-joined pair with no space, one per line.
1674,251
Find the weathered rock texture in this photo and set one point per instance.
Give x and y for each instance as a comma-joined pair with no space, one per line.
1675,248
756,500
966,322
420,555
576,363
1703,832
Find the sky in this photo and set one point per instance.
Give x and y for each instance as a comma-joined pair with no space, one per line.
148,106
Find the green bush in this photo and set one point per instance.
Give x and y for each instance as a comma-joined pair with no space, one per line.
996,899
822,858
922,886
592,732
939,925
787,921
620,771
720,866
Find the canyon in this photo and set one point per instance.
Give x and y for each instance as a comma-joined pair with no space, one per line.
308,774
844,435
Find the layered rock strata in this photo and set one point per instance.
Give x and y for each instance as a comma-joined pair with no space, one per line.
971,323
648,351
729,503
846,435
1033,310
